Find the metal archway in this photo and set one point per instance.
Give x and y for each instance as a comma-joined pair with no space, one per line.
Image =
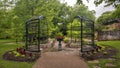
34,33
86,33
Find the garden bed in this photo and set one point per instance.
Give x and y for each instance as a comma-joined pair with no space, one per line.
21,55
106,52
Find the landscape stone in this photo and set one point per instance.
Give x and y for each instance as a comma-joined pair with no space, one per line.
96,67
94,61
110,65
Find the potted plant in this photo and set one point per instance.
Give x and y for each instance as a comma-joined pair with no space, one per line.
59,36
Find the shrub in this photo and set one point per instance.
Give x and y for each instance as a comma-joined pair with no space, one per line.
22,55
10,52
66,40
104,52
59,34
16,54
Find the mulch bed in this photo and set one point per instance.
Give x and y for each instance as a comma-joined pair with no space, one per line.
27,57
108,52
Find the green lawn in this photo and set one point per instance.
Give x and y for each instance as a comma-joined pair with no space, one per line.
115,44
6,45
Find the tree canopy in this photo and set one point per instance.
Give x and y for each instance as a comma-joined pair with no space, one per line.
14,14
114,3
108,16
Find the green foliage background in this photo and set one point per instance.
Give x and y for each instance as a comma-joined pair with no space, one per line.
14,14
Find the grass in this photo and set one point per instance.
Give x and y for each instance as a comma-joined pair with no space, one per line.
7,45
115,44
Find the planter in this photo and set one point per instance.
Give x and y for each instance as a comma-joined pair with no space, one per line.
59,38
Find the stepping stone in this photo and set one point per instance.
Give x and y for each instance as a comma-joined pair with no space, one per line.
94,61
110,65
96,67
112,59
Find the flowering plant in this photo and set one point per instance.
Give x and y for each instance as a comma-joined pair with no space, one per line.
59,37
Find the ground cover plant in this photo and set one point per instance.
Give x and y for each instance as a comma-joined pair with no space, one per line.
20,54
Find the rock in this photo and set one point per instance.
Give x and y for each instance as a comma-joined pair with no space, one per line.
96,67
94,61
112,59
41,49
110,65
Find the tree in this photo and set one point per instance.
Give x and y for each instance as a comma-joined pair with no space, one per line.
116,13
115,3
79,2
6,23
14,14
104,17
81,10
53,10
77,10
74,28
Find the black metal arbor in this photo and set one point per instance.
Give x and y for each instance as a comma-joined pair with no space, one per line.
86,34
36,31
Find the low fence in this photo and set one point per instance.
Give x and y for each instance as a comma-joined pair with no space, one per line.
108,35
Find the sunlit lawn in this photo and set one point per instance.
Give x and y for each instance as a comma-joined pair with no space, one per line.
6,45
102,62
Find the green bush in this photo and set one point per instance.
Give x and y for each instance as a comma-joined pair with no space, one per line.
16,53
22,55
59,34
66,40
